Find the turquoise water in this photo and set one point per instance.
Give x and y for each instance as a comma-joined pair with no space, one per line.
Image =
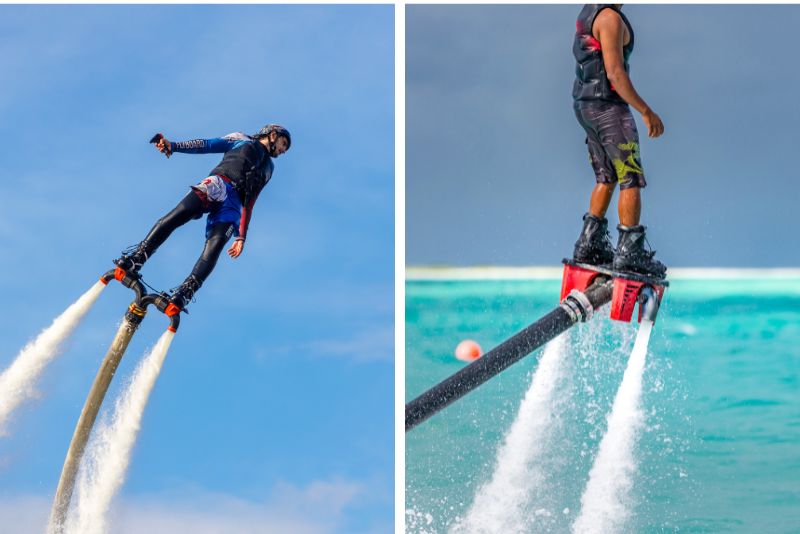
719,450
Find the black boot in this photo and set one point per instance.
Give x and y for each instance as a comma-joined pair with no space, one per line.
631,255
594,244
185,292
133,258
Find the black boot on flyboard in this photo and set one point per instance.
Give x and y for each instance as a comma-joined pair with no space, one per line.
185,292
594,244
632,268
133,258
631,256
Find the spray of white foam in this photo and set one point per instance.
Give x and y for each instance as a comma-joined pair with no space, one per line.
17,382
109,452
507,502
605,504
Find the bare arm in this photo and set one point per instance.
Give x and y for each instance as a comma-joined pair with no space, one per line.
609,29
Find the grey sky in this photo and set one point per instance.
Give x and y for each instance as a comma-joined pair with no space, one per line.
497,170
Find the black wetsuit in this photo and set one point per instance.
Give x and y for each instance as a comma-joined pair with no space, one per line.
243,172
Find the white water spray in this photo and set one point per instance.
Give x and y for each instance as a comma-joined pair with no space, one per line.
504,504
16,382
605,504
109,452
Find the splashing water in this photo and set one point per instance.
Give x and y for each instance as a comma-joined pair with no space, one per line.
503,504
16,382
605,502
109,452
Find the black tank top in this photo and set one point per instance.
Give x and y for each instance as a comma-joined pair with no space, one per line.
591,82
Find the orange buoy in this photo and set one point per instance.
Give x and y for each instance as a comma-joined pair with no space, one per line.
468,351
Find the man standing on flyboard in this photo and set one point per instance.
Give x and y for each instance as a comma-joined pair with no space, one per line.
602,94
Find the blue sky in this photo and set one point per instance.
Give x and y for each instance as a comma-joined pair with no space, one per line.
497,169
274,406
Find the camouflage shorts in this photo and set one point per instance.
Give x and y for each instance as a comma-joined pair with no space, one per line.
613,143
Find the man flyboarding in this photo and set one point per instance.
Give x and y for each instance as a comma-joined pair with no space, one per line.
228,196
602,94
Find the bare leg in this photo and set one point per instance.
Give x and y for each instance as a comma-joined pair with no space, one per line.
593,245
601,198
630,206
631,254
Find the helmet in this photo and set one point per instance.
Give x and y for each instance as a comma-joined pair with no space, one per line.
277,128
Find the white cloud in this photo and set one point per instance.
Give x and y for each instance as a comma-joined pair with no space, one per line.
367,346
375,344
318,508
24,514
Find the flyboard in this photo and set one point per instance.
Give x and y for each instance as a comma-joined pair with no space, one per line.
133,318
627,291
584,289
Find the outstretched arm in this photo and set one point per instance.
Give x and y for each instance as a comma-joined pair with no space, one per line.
609,29
198,146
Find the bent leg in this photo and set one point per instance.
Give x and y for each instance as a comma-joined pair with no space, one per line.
190,207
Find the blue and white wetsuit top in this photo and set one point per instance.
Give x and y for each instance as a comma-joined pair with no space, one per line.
208,146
